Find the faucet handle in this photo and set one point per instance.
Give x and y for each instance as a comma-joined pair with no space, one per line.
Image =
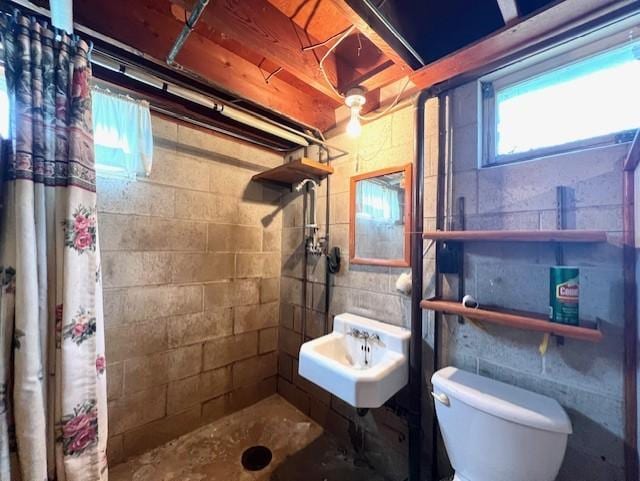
357,333
367,336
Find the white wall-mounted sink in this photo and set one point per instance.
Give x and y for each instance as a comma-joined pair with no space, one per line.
363,362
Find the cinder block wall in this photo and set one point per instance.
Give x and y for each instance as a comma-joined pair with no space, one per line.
191,268
381,435
585,378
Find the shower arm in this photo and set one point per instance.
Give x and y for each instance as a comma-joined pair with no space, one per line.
313,223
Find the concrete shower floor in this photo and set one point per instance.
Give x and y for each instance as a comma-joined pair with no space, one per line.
212,453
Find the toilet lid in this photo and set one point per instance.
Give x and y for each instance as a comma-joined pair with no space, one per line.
503,400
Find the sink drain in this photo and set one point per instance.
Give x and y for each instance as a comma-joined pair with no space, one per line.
256,458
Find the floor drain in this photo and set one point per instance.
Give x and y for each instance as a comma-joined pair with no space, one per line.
256,458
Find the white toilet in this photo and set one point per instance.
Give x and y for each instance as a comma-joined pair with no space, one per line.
497,432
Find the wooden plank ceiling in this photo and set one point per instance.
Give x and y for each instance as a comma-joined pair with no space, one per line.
256,50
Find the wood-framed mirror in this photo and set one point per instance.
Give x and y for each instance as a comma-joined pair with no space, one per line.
380,217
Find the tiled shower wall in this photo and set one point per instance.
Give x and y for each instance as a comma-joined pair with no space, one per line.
381,435
191,269
585,378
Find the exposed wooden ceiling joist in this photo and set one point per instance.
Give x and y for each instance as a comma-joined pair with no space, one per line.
377,77
319,18
268,68
509,10
150,27
269,32
512,41
360,60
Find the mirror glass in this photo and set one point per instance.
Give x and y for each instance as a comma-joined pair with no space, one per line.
379,217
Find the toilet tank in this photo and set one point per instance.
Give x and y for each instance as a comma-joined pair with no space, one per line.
497,432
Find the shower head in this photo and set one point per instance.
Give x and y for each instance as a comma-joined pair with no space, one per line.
304,182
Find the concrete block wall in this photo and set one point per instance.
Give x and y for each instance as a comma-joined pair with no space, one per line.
204,293
381,435
585,378
191,268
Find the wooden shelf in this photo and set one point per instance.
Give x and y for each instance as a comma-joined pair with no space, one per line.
294,172
515,319
583,236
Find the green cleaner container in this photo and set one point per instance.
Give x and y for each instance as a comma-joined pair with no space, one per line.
564,290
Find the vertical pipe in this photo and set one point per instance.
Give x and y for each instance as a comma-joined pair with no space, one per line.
303,314
630,326
561,224
327,248
415,352
630,374
441,188
561,220
462,225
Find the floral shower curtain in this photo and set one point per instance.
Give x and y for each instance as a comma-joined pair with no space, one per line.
53,418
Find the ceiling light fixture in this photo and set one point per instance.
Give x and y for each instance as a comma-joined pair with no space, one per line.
355,99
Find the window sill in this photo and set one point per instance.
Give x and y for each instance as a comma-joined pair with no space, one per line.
608,141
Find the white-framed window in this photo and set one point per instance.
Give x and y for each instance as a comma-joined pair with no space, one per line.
122,135
582,98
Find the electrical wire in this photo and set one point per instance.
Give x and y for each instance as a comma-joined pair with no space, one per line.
272,74
324,42
342,36
391,105
326,55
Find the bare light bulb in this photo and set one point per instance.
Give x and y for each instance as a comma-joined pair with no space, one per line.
354,99
354,129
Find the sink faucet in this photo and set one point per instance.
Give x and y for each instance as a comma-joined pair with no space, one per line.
368,338
358,334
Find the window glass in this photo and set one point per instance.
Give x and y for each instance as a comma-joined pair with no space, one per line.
591,98
122,135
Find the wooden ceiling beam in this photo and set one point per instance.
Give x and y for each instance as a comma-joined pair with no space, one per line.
515,40
263,28
360,62
380,76
245,80
267,67
152,29
322,19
